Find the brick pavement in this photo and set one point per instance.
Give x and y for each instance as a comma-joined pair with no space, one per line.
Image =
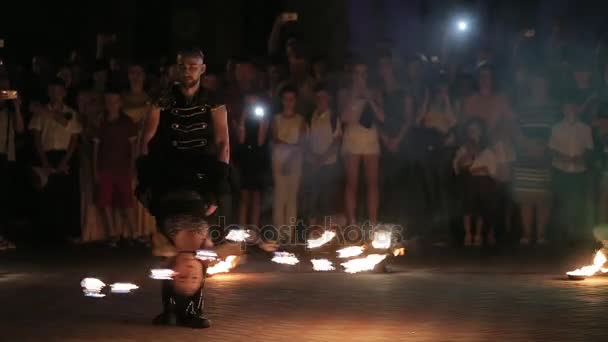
419,302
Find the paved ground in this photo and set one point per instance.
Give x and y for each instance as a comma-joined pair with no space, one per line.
441,295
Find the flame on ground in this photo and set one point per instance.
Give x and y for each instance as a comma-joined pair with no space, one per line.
285,258
223,266
399,251
586,271
382,239
363,264
238,235
162,274
123,287
326,237
349,252
322,265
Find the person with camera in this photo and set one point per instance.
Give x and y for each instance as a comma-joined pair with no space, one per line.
56,128
11,124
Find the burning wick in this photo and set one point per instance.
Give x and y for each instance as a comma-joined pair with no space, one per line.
349,252
285,258
322,265
382,239
587,271
363,264
223,266
162,274
206,255
326,237
91,287
238,235
123,287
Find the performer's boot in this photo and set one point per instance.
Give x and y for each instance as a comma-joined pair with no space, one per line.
168,316
191,311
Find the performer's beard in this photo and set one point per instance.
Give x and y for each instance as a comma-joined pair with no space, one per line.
190,83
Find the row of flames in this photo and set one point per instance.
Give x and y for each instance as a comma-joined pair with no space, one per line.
93,287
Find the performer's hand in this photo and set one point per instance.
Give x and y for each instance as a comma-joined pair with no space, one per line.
211,209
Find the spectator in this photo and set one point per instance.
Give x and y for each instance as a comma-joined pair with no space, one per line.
360,110
100,76
90,110
600,135
136,105
487,104
300,78
475,162
274,74
392,136
571,142
325,138
536,114
56,129
113,160
65,73
252,159
11,124
289,130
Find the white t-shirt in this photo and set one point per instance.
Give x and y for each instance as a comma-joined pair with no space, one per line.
486,158
55,136
571,139
7,134
322,135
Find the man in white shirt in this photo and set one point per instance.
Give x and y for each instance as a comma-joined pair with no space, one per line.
325,137
571,144
56,129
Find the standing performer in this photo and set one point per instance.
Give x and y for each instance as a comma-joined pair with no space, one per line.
182,173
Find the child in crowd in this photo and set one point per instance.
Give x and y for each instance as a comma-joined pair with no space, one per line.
476,162
325,138
571,143
113,161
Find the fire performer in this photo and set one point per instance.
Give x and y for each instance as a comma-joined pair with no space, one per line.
182,174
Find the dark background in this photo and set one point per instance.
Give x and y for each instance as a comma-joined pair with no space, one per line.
228,27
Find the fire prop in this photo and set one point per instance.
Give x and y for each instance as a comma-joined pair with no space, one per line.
362,264
349,252
285,258
590,270
323,239
382,239
238,235
322,265
123,287
162,274
91,287
223,266
367,263
206,255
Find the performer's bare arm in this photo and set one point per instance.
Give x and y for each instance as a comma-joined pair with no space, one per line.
150,128
222,139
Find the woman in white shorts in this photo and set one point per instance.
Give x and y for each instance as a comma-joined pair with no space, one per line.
360,110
